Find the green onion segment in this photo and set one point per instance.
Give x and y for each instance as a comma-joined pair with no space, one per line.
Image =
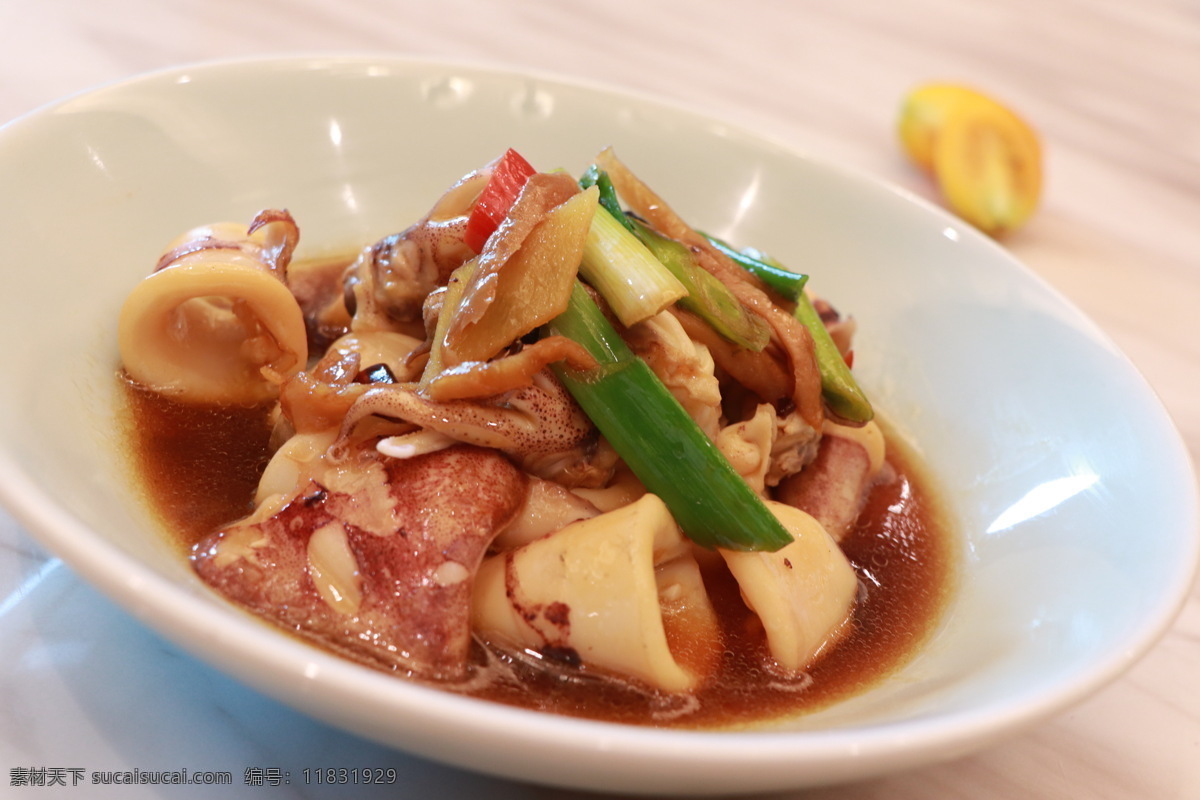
708,298
657,439
839,389
787,283
617,265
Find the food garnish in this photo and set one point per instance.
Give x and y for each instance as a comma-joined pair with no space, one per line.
986,160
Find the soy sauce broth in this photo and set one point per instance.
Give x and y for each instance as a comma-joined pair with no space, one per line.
199,467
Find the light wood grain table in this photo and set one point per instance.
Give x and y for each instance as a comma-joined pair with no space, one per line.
1114,90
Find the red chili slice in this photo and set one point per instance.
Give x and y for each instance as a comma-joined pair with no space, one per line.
511,173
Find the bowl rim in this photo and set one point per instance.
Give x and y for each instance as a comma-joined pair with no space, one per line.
149,595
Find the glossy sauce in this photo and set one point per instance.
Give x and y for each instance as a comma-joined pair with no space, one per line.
904,556
200,466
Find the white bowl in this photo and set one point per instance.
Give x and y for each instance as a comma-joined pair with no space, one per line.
1070,488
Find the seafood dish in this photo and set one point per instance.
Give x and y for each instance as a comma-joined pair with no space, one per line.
548,445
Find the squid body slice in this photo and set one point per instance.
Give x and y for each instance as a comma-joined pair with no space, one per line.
803,593
216,322
615,591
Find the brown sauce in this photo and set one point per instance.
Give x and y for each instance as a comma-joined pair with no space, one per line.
904,557
199,467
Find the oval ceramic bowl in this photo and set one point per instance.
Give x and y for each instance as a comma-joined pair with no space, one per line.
1070,489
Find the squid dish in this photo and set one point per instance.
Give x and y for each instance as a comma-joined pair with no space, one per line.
548,445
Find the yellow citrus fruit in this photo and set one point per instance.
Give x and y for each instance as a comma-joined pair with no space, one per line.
922,114
986,160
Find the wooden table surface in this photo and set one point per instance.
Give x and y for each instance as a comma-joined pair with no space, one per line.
1112,86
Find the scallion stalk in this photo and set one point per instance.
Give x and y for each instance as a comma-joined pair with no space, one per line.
617,265
707,297
841,392
839,389
594,176
657,439
787,283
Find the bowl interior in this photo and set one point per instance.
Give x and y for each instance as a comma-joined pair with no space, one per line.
1067,482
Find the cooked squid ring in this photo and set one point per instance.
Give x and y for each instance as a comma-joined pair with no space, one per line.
216,322
614,591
